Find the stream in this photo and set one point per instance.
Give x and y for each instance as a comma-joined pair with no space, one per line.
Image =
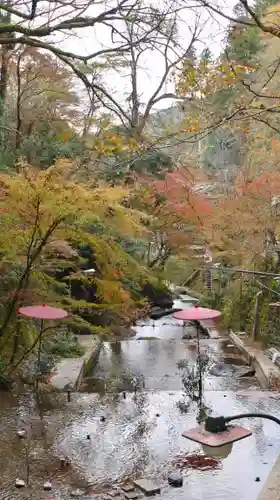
135,437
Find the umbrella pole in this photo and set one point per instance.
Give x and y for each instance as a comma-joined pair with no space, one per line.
40,347
199,364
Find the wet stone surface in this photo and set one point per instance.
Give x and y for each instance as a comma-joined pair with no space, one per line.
156,362
138,437
134,443
147,486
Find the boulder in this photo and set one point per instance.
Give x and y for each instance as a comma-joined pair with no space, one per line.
21,433
19,483
77,493
47,486
158,312
158,296
219,370
175,479
225,369
244,371
188,336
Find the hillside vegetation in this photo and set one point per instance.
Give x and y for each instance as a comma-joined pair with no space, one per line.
91,181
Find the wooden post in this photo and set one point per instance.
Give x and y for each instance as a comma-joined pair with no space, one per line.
256,315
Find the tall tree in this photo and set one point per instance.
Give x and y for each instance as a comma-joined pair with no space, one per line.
134,26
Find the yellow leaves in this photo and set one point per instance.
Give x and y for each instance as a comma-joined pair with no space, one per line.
111,292
206,77
112,194
108,143
190,125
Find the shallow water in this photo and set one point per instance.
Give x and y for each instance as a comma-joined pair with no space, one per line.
156,361
140,436
134,442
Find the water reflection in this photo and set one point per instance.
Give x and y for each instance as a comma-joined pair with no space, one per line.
133,441
156,361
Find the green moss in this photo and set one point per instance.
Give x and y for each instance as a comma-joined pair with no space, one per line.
63,343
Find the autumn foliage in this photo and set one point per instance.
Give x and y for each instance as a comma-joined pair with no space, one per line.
179,189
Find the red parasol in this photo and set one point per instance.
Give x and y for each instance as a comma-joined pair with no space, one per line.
43,312
196,313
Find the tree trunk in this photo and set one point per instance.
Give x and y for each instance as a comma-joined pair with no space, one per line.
5,52
4,75
18,103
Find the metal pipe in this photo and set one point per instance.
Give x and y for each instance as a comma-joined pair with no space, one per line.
219,424
245,271
253,415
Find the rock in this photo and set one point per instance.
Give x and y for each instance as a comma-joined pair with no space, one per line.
158,296
114,493
127,487
244,371
131,495
21,433
47,486
88,436
64,462
147,486
158,312
77,493
219,370
19,483
175,479
188,336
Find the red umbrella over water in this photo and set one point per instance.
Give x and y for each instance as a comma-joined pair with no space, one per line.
42,312
196,313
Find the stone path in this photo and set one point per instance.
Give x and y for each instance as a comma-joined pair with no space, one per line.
69,371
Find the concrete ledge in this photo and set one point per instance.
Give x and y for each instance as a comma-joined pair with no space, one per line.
271,488
211,329
178,290
70,371
266,371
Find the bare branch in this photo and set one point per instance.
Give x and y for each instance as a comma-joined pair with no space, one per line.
168,68
255,21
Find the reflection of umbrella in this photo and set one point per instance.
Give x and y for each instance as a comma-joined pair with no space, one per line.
42,312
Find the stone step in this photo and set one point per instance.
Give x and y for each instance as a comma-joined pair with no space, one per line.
147,486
